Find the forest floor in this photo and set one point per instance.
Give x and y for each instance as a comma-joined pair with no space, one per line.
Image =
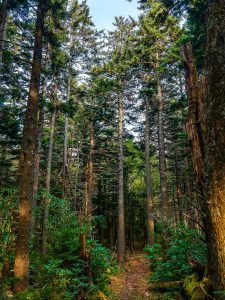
132,282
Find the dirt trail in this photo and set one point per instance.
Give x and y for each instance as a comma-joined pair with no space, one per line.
132,284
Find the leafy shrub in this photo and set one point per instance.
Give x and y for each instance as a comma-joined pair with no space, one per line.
62,274
185,243
101,265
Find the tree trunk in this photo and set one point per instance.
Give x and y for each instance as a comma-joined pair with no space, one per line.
50,148
90,177
65,145
47,183
215,144
161,144
38,154
195,124
41,115
150,220
178,189
37,166
27,162
121,224
3,24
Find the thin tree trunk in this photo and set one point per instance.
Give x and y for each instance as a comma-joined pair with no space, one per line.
150,220
50,149
215,144
27,162
161,143
41,115
90,177
37,166
49,171
187,179
3,24
38,155
174,207
65,144
121,224
47,183
189,193
178,190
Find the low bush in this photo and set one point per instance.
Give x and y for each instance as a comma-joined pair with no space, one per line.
185,243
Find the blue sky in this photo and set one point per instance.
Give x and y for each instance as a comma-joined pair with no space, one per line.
104,11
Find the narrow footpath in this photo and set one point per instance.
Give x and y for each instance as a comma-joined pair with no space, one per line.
132,283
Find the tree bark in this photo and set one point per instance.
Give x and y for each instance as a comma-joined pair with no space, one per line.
41,115
161,144
47,183
195,124
150,220
3,24
121,223
27,162
50,149
215,144
90,177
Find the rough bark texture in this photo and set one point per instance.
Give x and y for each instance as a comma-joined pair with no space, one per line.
27,162
195,125
121,225
150,220
161,144
3,23
215,143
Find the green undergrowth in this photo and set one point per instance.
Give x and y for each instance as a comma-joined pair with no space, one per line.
173,264
61,273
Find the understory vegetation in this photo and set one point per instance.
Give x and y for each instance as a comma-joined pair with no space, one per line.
173,264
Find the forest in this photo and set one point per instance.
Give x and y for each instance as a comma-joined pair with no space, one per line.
112,152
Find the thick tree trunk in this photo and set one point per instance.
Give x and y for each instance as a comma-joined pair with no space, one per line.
215,144
121,223
27,162
195,124
4,6
150,220
161,144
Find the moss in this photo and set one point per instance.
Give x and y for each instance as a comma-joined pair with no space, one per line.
194,288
